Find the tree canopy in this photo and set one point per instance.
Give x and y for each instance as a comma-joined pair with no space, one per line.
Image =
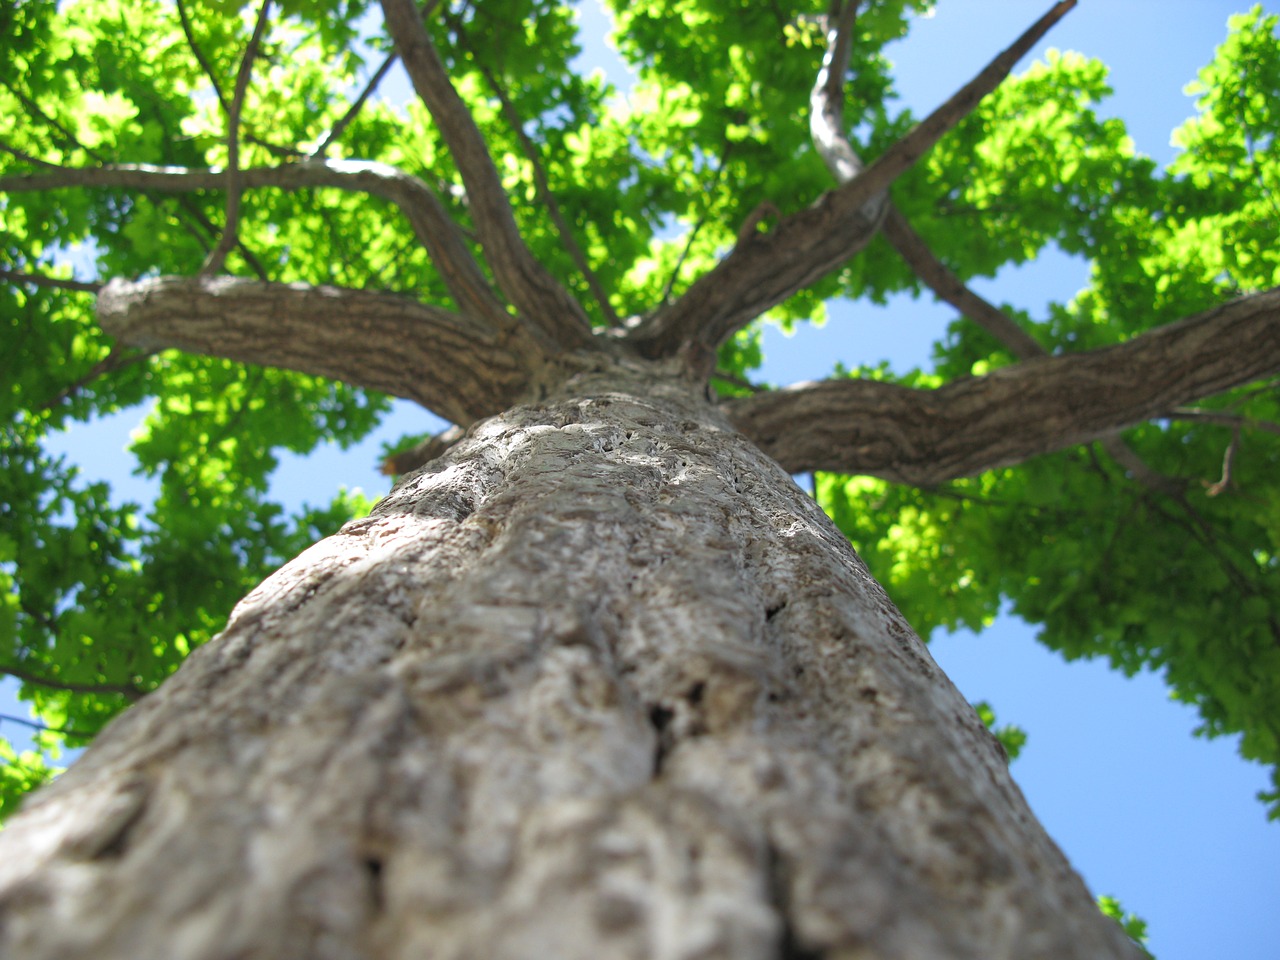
149,140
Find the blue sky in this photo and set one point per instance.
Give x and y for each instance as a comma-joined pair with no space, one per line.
1166,822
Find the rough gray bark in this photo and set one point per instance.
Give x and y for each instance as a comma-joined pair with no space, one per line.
449,363
599,682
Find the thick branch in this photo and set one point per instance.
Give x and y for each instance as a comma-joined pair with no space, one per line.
951,289
430,221
923,437
379,341
808,245
533,290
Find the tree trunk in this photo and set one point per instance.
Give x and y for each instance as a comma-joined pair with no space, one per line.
600,682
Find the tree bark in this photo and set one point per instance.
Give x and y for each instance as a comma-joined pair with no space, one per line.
601,681
925,437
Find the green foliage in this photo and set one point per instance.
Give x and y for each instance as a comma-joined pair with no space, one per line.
1135,927
101,595
1011,737
1183,580
20,773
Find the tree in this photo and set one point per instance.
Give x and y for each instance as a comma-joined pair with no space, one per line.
596,677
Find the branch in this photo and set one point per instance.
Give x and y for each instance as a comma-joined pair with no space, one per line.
185,204
951,289
923,437
115,360
807,246
353,111
535,293
40,280
230,231
36,112
541,184
379,341
189,32
1223,419
826,102
431,222
708,192
127,690
42,727
26,157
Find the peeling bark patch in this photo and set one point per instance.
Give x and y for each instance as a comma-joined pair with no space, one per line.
773,611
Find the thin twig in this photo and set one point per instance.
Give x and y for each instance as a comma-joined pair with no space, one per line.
127,690
680,260
205,65
184,203
43,727
725,151
26,157
40,280
230,230
37,113
211,231
1224,419
340,127
1140,470
117,359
